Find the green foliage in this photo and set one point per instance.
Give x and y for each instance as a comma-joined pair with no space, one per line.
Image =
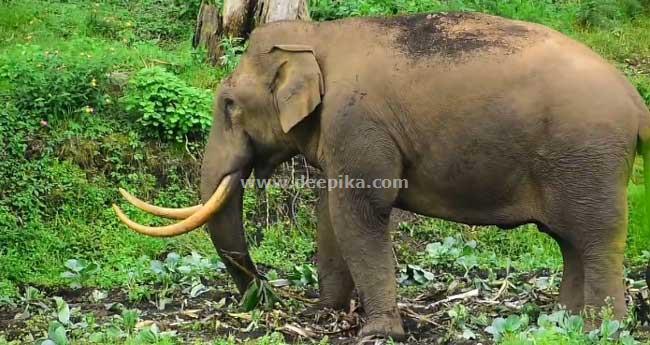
110,27
166,106
597,13
180,270
605,13
160,20
452,250
643,86
557,328
50,84
415,275
79,271
56,335
554,13
304,275
282,246
259,294
232,50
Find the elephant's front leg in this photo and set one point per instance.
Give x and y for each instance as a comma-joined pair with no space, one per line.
360,218
361,227
334,279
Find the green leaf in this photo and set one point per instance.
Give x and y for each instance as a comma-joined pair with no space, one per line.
56,333
157,267
62,310
69,275
252,296
628,340
575,324
609,327
74,265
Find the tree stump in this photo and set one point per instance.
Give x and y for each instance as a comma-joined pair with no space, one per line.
209,26
238,19
274,10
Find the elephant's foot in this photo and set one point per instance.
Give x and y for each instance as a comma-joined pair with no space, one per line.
335,294
324,307
334,303
336,287
388,325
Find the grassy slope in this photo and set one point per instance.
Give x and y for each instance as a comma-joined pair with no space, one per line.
77,222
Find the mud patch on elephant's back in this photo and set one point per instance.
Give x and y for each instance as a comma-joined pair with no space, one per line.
454,35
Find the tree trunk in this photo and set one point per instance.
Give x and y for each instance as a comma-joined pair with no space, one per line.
209,26
274,10
239,19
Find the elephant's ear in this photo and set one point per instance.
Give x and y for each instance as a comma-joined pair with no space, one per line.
298,84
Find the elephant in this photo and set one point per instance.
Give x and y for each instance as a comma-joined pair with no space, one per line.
491,121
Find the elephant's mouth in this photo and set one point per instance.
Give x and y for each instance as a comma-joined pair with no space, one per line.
190,217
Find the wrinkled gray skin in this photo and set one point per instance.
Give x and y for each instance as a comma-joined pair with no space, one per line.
491,121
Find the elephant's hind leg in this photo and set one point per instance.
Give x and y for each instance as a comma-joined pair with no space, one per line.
573,277
593,226
334,279
603,267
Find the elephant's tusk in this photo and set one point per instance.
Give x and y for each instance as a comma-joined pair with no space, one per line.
173,213
198,218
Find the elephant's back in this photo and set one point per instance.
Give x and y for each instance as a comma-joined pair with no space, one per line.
455,36
428,46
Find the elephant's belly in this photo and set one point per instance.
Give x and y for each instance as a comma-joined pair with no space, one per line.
505,198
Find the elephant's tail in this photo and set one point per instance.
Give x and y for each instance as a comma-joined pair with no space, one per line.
644,140
644,150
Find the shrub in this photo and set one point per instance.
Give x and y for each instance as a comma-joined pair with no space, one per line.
111,27
165,20
166,106
604,13
643,86
50,83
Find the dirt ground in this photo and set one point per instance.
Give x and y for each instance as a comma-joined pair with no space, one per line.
217,313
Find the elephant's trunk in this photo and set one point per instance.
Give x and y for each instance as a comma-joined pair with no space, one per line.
228,152
226,230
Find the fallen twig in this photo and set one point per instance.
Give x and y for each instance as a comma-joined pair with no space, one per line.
464,295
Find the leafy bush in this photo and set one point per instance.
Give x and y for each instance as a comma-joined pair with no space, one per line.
232,51
604,13
184,269
167,107
50,83
165,20
542,11
414,275
452,251
332,9
78,272
643,86
557,328
260,294
111,27
304,275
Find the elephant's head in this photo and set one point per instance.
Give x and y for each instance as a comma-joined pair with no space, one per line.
273,90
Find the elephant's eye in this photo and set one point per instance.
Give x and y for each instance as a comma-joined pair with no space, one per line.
228,109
